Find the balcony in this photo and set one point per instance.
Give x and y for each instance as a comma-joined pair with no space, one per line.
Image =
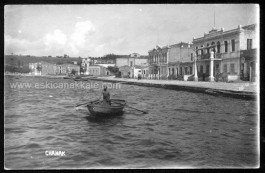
248,53
203,57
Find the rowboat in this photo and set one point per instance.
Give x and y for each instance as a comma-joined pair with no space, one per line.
99,108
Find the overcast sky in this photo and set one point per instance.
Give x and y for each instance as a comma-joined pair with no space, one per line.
96,30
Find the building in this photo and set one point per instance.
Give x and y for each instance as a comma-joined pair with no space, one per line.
98,70
35,68
233,52
64,69
125,71
48,68
45,68
170,60
132,60
132,65
133,72
180,59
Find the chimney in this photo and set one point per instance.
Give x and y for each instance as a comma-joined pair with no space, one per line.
239,26
222,29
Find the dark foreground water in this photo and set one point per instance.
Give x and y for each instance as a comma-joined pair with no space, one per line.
182,129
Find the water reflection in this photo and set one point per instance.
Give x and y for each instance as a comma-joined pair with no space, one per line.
106,120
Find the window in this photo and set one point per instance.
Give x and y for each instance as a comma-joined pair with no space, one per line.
218,47
225,68
233,45
190,70
191,56
207,69
201,50
249,44
226,46
213,48
208,49
131,63
186,70
201,69
232,68
197,50
173,71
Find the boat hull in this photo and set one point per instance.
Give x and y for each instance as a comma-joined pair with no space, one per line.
100,109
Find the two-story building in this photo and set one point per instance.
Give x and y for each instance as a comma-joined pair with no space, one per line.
45,68
132,60
170,60
231,52
48,68
132,65
99,70
180,59
63,69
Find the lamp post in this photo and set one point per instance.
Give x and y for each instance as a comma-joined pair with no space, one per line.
195,68
211,78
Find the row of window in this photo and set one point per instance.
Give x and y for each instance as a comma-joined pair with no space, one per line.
156,58
232,68
94,71
225,68
217,47
180,71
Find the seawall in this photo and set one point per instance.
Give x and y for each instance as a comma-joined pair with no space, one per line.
246,91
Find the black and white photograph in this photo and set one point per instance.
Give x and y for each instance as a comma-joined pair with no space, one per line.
131,86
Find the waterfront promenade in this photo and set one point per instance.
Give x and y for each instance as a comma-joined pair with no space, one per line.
240,90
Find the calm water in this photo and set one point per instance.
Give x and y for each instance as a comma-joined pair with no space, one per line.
182,129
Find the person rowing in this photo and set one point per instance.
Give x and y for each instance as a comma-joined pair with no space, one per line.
106,96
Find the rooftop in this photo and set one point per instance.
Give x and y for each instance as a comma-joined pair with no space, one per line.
214,32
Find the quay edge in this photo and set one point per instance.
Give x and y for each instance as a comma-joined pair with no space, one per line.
196,89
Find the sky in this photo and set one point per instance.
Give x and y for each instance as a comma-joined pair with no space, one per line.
97,30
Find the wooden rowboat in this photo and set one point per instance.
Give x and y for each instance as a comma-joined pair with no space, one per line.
98,108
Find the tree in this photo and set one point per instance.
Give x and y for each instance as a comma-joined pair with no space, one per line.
113,69
39,68
73,71
59,62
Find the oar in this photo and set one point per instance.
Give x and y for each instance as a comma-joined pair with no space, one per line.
85,103
137,109
132,108
81,104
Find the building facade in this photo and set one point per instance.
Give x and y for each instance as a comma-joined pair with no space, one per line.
132,60
97,70
229,48
170,60
45,68
180,59
64,69
48,68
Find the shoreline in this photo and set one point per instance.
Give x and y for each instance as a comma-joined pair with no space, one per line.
44,76
244,91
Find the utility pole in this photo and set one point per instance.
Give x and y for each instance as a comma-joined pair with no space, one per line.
214,17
